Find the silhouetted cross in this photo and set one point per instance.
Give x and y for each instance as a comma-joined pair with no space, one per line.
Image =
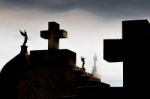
53,34
133,49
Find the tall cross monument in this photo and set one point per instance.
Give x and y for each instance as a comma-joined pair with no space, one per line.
53,34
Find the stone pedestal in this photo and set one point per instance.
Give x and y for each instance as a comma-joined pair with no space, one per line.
24,49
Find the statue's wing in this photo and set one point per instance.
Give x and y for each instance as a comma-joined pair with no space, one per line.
23,34
82,58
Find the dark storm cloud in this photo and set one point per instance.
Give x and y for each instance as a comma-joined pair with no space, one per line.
96,6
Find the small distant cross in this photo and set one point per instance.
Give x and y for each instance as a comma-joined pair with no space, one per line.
53,34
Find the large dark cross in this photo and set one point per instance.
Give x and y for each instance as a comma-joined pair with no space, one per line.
53,34
133,49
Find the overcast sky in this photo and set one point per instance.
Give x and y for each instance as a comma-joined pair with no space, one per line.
88,22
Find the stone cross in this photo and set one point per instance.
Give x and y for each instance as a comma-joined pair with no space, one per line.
53,34
133,49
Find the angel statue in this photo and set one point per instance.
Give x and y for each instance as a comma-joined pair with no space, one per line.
24,34
83,61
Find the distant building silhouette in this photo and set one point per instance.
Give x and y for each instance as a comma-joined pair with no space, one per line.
133,49
49,74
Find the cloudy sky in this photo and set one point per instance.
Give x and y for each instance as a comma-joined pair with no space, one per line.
88,22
